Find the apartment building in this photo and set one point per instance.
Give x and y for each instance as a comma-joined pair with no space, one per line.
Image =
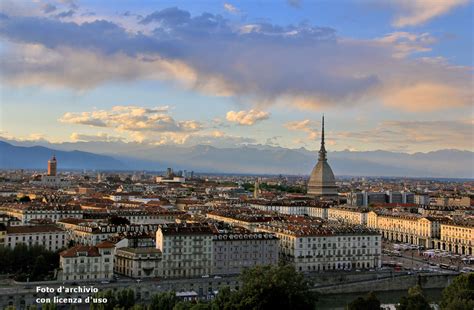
457,237
234,251
406,227
348,215
318,246
186,249
140,262
83,262
51,237
27,212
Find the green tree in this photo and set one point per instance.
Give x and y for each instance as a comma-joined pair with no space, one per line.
369,302
459,295
275,287
225,300
163,301
414,301
40,269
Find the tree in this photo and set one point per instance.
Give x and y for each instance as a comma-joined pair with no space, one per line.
24,199
414,301
163,301
225,300
459,295
274,287
40,269
369,302
117,220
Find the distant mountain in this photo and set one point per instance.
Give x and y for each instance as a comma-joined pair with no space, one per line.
36,157
250,159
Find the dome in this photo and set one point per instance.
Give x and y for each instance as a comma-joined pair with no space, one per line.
322,181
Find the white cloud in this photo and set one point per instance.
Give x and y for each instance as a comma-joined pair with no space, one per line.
308,126
416,12
230,8
99,137
132,119
247,118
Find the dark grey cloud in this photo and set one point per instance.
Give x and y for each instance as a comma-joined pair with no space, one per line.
48,8
65,14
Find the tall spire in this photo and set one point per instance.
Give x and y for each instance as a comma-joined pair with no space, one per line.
322,150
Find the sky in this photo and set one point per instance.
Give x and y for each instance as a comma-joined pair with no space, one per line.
392,75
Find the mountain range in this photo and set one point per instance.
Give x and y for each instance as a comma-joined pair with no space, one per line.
249,159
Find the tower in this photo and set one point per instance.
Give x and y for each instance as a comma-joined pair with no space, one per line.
256,190
52,166
321,181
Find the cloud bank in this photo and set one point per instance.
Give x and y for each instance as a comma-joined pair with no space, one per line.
261,63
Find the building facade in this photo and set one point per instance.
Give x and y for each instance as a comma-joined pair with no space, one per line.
186,249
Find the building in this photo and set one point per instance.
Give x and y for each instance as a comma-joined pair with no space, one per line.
52,165
348,215
364,199
321,182
457,237
140,262
30,211
3,234
406,227
241,217
422,199
83,263
51,237
186,249
318,246
234,251
321,212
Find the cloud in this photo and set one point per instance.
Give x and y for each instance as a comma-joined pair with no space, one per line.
308,126
416,12
99,137
417,97
231,9
68,13
132,119
406,43
48,8
411,135
294,3
209,54
247,118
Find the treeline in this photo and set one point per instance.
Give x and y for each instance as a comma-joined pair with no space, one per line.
269,287
459,295
34,263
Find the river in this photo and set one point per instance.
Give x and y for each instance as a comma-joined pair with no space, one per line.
340,301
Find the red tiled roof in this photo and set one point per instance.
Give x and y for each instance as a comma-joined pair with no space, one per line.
33,229
91,251
105,245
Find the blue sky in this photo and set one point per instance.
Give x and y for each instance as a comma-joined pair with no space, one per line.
393,75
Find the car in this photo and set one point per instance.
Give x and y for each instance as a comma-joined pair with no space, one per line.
217,277
205,276
104,282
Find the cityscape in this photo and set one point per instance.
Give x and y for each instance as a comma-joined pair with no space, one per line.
241,155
